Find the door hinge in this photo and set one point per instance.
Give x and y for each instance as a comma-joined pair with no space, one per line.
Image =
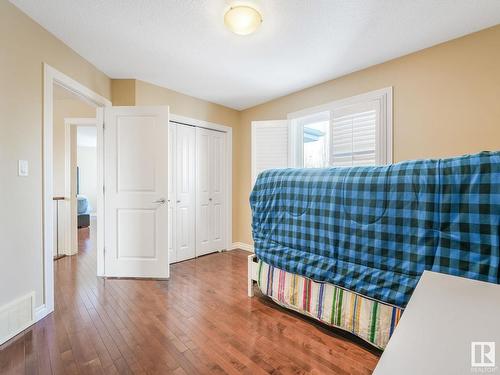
103,126
103,189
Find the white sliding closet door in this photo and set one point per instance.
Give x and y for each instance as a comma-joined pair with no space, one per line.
218,194
203,145
211,194
185,191
172,256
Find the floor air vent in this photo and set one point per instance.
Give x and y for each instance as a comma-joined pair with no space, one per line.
16,316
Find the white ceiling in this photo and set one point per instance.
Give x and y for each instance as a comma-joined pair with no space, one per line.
183,44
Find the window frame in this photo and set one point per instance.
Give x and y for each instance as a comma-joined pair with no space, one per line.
384,129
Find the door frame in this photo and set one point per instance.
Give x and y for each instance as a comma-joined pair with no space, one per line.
71,227
53,76
229,166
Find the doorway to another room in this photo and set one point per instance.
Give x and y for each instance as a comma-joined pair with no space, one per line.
75,172
86,184
64,100
126,234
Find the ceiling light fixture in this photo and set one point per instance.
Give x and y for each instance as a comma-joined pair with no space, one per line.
242,19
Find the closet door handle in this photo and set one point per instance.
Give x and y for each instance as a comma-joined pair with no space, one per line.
178,201
210,199
161,201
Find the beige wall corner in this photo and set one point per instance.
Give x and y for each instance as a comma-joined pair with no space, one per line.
185,105
24,47
123,92
446,102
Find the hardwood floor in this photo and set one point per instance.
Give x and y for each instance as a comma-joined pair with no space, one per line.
198,322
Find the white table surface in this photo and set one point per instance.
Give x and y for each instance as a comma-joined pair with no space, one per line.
444,315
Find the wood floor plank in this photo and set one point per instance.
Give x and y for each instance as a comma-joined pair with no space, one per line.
198,322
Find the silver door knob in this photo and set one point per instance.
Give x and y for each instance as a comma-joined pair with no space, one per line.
178,201
210,199
161,201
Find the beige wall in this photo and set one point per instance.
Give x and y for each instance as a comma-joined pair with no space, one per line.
184,105
136,92
446,102
24,46
123,91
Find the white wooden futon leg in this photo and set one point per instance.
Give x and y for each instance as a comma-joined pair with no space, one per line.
252,273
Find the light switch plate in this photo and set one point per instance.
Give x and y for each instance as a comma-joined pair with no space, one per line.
22,168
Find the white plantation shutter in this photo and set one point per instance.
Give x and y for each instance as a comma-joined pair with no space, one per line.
269,146
354,135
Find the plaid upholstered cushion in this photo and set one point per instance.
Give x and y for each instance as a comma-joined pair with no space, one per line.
374,230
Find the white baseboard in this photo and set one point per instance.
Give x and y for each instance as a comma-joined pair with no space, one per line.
242,246
41,312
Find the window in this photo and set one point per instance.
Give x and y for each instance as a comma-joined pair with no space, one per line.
350,132
315,137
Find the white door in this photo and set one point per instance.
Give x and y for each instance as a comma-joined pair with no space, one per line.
136,190
171,193
185,192
211,195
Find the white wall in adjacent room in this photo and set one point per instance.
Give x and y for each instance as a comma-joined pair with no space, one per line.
87,163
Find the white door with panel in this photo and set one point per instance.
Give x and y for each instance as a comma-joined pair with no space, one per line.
136,191
185,192
211,191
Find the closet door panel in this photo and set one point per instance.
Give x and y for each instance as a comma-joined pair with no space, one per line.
217,190
185,192
203,214
171,193
216,234
184,245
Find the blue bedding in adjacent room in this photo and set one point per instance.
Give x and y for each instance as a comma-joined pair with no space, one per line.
374,230
83,206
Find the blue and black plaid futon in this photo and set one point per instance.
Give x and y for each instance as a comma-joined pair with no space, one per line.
374,230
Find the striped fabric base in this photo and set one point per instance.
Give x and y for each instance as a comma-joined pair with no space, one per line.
370,320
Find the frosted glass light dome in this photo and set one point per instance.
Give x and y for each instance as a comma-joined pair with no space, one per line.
242,19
